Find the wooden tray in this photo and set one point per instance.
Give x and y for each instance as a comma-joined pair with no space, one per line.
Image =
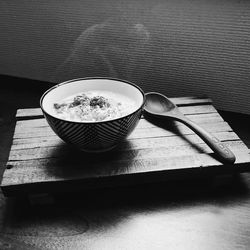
40,162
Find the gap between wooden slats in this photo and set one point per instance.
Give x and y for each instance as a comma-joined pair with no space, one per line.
47,171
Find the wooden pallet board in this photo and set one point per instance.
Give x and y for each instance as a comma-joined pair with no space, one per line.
40,162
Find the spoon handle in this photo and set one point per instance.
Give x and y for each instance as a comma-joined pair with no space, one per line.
224,153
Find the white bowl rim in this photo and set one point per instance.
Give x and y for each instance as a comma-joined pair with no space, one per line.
93,78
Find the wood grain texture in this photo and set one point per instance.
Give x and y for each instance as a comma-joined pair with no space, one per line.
40,162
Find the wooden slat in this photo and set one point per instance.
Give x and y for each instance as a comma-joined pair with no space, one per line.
31,123
182,101
28,113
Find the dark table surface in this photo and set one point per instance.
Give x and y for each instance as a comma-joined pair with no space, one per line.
194,214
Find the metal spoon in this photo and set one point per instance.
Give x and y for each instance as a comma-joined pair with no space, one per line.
158,105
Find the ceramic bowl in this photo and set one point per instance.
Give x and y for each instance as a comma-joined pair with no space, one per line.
89,136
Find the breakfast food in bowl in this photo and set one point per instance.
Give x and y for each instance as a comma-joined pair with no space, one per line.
94,106
93,114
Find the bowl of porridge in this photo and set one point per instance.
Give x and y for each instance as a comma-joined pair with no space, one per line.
93,114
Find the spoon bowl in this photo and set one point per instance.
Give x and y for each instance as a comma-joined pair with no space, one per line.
158,105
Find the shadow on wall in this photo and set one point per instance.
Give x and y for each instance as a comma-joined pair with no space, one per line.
115,48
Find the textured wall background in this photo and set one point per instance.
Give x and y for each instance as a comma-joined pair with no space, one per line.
177,47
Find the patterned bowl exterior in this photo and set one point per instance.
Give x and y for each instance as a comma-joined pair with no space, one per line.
94,137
